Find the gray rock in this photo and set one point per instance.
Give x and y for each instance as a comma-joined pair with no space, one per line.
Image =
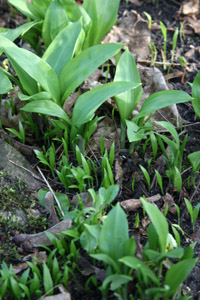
7,152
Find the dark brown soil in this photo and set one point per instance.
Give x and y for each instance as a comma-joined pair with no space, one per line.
166,12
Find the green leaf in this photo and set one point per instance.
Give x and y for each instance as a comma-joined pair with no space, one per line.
107,260
75,12
160,100
114,232
103,15
38,96
32,65
89,102
136,264
55,20
196,94
127,71
46,107
116,281
47,280
134,132
194,159
64,202
171,129
24,7
41,7
159,222
62,48
12,34
177,274
90,237
83,65
5,84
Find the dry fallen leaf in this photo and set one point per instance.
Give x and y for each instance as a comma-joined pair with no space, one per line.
135,2
194,23
63,295
30,241
133,30
190,7
169,200
133,204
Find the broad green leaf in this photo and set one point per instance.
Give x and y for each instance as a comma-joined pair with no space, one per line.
115,281
64,201
114,232
41,6
15,288
91,9
107,260
38,96
26,62
5,84
12,34
134,132
158,257
194,159
55,20
136,264
196,94
47,280
127,71
159,222
83,65
177,274
24,7
89,102
61,50
90,237
46,107
171,130
160,100
75,12
103,15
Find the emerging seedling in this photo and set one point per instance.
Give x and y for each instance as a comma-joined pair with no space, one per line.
193,212
20,134
147,177
164,33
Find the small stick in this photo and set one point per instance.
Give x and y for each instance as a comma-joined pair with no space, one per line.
27,170
56,199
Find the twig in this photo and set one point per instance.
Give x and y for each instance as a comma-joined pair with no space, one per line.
148,62
27,170
56,199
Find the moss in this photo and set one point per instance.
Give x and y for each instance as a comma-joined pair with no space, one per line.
20,212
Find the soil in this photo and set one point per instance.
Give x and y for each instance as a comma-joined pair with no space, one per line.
167,12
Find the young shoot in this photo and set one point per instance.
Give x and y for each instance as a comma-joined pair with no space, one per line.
192,211
164,33
147,177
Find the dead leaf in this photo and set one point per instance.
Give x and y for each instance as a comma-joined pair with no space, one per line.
118,172
175,74
69,103
154,81
133,204
30,241
194,23
135,2
133,30
106,128
86,197
87,269
169,200
190,7
49,205
63,295
145,222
